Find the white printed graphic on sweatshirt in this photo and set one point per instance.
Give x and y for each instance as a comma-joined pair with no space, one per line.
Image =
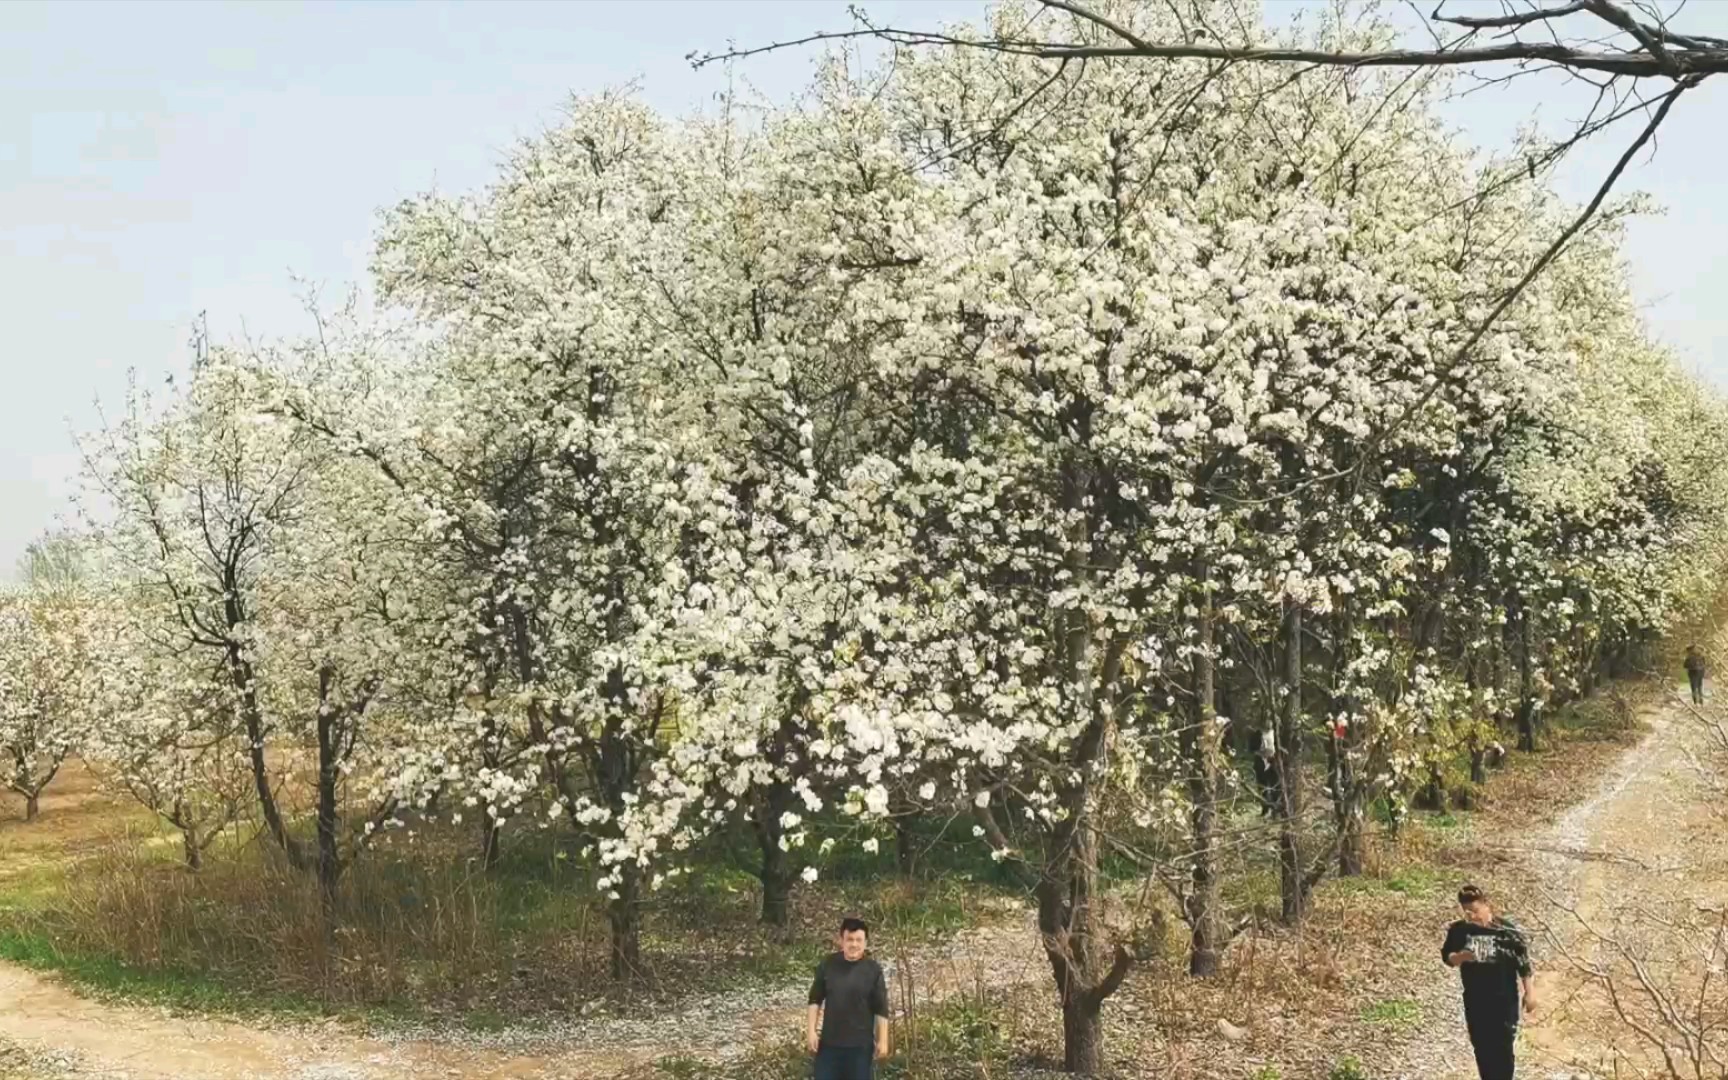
1485,947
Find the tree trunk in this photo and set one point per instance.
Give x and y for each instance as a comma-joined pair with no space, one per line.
625,916
616,765
1349,792
1265,769
1069,924
329,760
1288,760
1433,793
1069,920
192,849
1526,683
776,875
245,683
775,802
906,843
1082,1036
1200,747
1478,752
1352,840
489,841
775,872
1238,729
24,782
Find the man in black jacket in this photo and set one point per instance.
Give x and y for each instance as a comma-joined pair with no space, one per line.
1493,961
848,1009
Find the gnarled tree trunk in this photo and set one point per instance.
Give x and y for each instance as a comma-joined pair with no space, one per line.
1349,789
1287,759
1069,923
1201,751
624,914
1526,680
775,872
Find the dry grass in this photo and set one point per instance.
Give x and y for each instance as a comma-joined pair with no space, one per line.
420,929
1341,986
417,931
95,889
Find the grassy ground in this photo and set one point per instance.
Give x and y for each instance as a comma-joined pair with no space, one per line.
92,892
424,937
965,1036
1332,1001
1325,1003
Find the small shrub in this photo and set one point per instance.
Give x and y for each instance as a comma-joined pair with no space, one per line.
1348,1069
1412,881
1464,795
682,1067
1396,1011
955,1038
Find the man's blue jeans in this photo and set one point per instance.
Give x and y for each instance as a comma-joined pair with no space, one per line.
845,1062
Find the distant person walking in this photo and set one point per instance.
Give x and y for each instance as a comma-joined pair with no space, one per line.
1695,673
1493,961
848,1009
1265,773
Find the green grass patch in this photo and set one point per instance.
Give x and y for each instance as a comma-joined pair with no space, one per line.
109,976
959,1037
1253,887
423,932
32,890
1350,1068
485,1020
1414,881
1396,1011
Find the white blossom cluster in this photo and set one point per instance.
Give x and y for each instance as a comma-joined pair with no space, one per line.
820,465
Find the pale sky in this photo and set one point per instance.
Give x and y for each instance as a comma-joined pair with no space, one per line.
158,160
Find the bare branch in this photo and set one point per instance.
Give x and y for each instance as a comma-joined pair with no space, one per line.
1705,61
1502,21
1093,17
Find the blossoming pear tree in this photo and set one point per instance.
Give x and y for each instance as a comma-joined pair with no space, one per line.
50,688
258,589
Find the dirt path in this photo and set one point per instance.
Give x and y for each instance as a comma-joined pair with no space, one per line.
1648,836
1640,826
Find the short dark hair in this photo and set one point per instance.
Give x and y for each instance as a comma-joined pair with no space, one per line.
852,923
1471,894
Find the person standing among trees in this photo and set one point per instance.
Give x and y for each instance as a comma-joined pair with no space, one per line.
1695,673
1265,775
848,1008
1493,961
